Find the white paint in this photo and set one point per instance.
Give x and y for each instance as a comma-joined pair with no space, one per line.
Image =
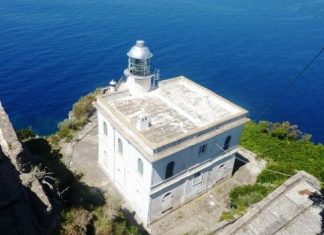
122,168
143,122
168,124
145,193
138,85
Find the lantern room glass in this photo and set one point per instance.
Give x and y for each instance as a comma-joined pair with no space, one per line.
139,67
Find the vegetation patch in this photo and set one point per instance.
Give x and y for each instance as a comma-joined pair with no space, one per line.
244,196
79,117
86,210
25,134
286,149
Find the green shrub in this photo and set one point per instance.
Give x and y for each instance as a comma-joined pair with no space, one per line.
102,223
264,126
54,140
65,130
69,127
232,213
25,134
122,227
286,155
76,221
81,111
280,130
83,108
286,150
266,177
246,195
227,215
242,197
133,230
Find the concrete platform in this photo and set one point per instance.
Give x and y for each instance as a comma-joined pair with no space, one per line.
84,160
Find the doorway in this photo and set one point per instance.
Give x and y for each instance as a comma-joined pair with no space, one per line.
221,172
167,202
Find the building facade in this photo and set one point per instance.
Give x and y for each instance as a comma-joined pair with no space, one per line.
163,143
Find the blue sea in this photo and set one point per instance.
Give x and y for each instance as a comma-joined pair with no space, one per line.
53,52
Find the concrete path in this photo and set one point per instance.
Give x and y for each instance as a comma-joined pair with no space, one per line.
84,160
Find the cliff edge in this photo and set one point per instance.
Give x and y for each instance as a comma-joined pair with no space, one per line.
26,206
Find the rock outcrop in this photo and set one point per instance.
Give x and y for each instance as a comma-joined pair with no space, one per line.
25,206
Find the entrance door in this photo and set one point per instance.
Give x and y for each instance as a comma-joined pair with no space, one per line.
119,177
106,160
137,201
167,202
199,182
221,172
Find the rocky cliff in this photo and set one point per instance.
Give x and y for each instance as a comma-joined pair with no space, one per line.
26,205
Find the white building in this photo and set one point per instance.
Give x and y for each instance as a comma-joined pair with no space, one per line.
163,144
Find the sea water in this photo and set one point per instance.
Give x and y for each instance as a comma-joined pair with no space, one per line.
53,52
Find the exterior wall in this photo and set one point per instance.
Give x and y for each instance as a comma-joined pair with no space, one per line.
190,157
195,182
122,168
189,188
139,190
138,86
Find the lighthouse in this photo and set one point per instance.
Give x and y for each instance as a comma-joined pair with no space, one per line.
162,145
139,76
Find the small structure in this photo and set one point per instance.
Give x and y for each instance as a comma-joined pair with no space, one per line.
164,144
290,209
112,85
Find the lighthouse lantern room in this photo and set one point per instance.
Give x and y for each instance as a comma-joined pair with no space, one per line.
139,76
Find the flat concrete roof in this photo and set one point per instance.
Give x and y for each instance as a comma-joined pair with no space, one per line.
178,109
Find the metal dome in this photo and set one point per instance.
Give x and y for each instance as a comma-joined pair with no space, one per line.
139,51
113,83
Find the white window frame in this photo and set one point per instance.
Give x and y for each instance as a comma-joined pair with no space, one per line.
140,166
197,179
120,146
105,128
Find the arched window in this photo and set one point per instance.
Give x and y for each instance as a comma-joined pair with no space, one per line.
140,166
120,146
105,128
227,142
169,170
166,196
